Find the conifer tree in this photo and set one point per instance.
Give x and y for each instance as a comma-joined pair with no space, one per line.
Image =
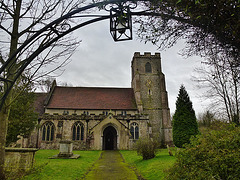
22,117
184,119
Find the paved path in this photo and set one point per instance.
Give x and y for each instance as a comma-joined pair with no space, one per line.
111,166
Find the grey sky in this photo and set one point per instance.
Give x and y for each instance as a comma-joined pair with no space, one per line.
99,61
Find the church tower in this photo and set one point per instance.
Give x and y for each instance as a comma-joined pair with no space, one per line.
148,83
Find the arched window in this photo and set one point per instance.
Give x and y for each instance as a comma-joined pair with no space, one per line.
134,130
148,68
47,131
77,131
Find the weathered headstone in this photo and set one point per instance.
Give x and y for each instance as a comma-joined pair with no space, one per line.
65,151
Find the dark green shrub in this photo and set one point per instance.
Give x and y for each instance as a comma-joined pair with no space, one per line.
184,119
146,148
212,155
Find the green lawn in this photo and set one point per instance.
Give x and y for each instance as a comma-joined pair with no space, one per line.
64,169
151,169
73,169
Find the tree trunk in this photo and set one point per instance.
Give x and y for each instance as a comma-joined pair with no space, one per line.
4,113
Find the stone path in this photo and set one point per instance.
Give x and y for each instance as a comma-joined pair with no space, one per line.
111,166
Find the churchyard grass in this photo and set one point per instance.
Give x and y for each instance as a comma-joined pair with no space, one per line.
66,169
151,169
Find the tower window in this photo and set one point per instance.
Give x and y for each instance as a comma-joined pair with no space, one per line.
48,131
148,68
77,131
134,130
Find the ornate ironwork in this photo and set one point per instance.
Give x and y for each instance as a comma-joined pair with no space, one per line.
117,4
61,28
120,15
121,23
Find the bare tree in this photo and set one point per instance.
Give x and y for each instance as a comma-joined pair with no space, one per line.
205,26
45,84
206,118
19,20
220,77
211,30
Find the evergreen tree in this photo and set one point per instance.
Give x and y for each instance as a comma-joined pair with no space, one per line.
184,120
22,116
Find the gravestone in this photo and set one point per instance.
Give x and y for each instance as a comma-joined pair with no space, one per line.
65,151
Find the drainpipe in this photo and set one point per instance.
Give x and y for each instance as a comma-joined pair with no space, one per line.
87,126
128,121
87,138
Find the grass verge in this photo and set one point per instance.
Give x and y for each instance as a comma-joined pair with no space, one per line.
151,169
64,169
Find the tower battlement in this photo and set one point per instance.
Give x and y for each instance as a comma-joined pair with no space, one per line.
146,54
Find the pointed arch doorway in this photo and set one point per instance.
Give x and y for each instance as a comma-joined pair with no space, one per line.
110,138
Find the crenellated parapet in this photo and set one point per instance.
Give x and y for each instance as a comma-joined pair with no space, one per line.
93,117
146,54
131,117
65,117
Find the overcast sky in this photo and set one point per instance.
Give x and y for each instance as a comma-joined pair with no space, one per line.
101,62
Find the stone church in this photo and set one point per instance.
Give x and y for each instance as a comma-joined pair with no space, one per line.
107,118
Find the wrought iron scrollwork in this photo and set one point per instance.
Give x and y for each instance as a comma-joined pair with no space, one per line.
121,29
61,28
120,5
121,20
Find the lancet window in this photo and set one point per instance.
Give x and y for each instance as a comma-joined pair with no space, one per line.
134,130
48,131
77,131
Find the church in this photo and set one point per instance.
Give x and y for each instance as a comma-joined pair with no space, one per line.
102,118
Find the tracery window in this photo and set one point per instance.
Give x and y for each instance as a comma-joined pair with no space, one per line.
148,68
77,131
48,131
134,130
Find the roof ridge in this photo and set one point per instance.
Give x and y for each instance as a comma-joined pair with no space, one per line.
94,87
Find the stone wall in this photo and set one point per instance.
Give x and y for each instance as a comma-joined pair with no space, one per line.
93,129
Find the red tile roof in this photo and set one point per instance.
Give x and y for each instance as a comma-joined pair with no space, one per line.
39,102
92,98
